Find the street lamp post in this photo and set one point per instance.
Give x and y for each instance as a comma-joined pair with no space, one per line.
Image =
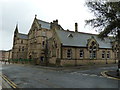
118,39
115,57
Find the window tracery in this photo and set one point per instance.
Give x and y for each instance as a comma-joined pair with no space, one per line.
115,49
92,47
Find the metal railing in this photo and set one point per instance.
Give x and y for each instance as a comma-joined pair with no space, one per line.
17,61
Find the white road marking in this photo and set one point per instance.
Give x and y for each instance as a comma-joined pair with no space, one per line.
93,75
85,74
73,72
101,76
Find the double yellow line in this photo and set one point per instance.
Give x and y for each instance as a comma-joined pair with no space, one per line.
12,84
105,75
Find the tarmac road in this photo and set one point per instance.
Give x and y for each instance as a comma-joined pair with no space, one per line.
3,83
26,76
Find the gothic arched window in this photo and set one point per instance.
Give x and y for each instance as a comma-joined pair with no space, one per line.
115,49
93,50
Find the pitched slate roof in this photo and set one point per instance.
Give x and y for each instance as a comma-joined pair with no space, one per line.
44,24
80,39
22,36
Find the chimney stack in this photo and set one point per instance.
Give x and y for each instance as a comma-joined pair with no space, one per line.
76,27
55,21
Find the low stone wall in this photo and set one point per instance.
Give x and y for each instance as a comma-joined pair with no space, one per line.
85,62
52,60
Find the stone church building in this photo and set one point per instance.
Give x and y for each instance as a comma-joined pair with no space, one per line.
50,43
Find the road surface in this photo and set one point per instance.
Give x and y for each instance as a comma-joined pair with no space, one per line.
29,76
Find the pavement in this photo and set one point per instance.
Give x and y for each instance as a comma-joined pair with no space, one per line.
64,67
70,67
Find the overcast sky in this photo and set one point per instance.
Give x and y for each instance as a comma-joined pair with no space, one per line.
23,12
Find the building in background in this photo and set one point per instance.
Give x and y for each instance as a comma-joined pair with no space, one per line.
5,55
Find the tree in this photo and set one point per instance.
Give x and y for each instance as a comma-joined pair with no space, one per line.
107,19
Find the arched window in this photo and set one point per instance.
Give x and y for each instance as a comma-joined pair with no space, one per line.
81,53
108,54
23,48
93,50
43,43
69,53
103,54
21,41
115,49
19,48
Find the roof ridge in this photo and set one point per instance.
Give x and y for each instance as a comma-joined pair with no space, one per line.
80,32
